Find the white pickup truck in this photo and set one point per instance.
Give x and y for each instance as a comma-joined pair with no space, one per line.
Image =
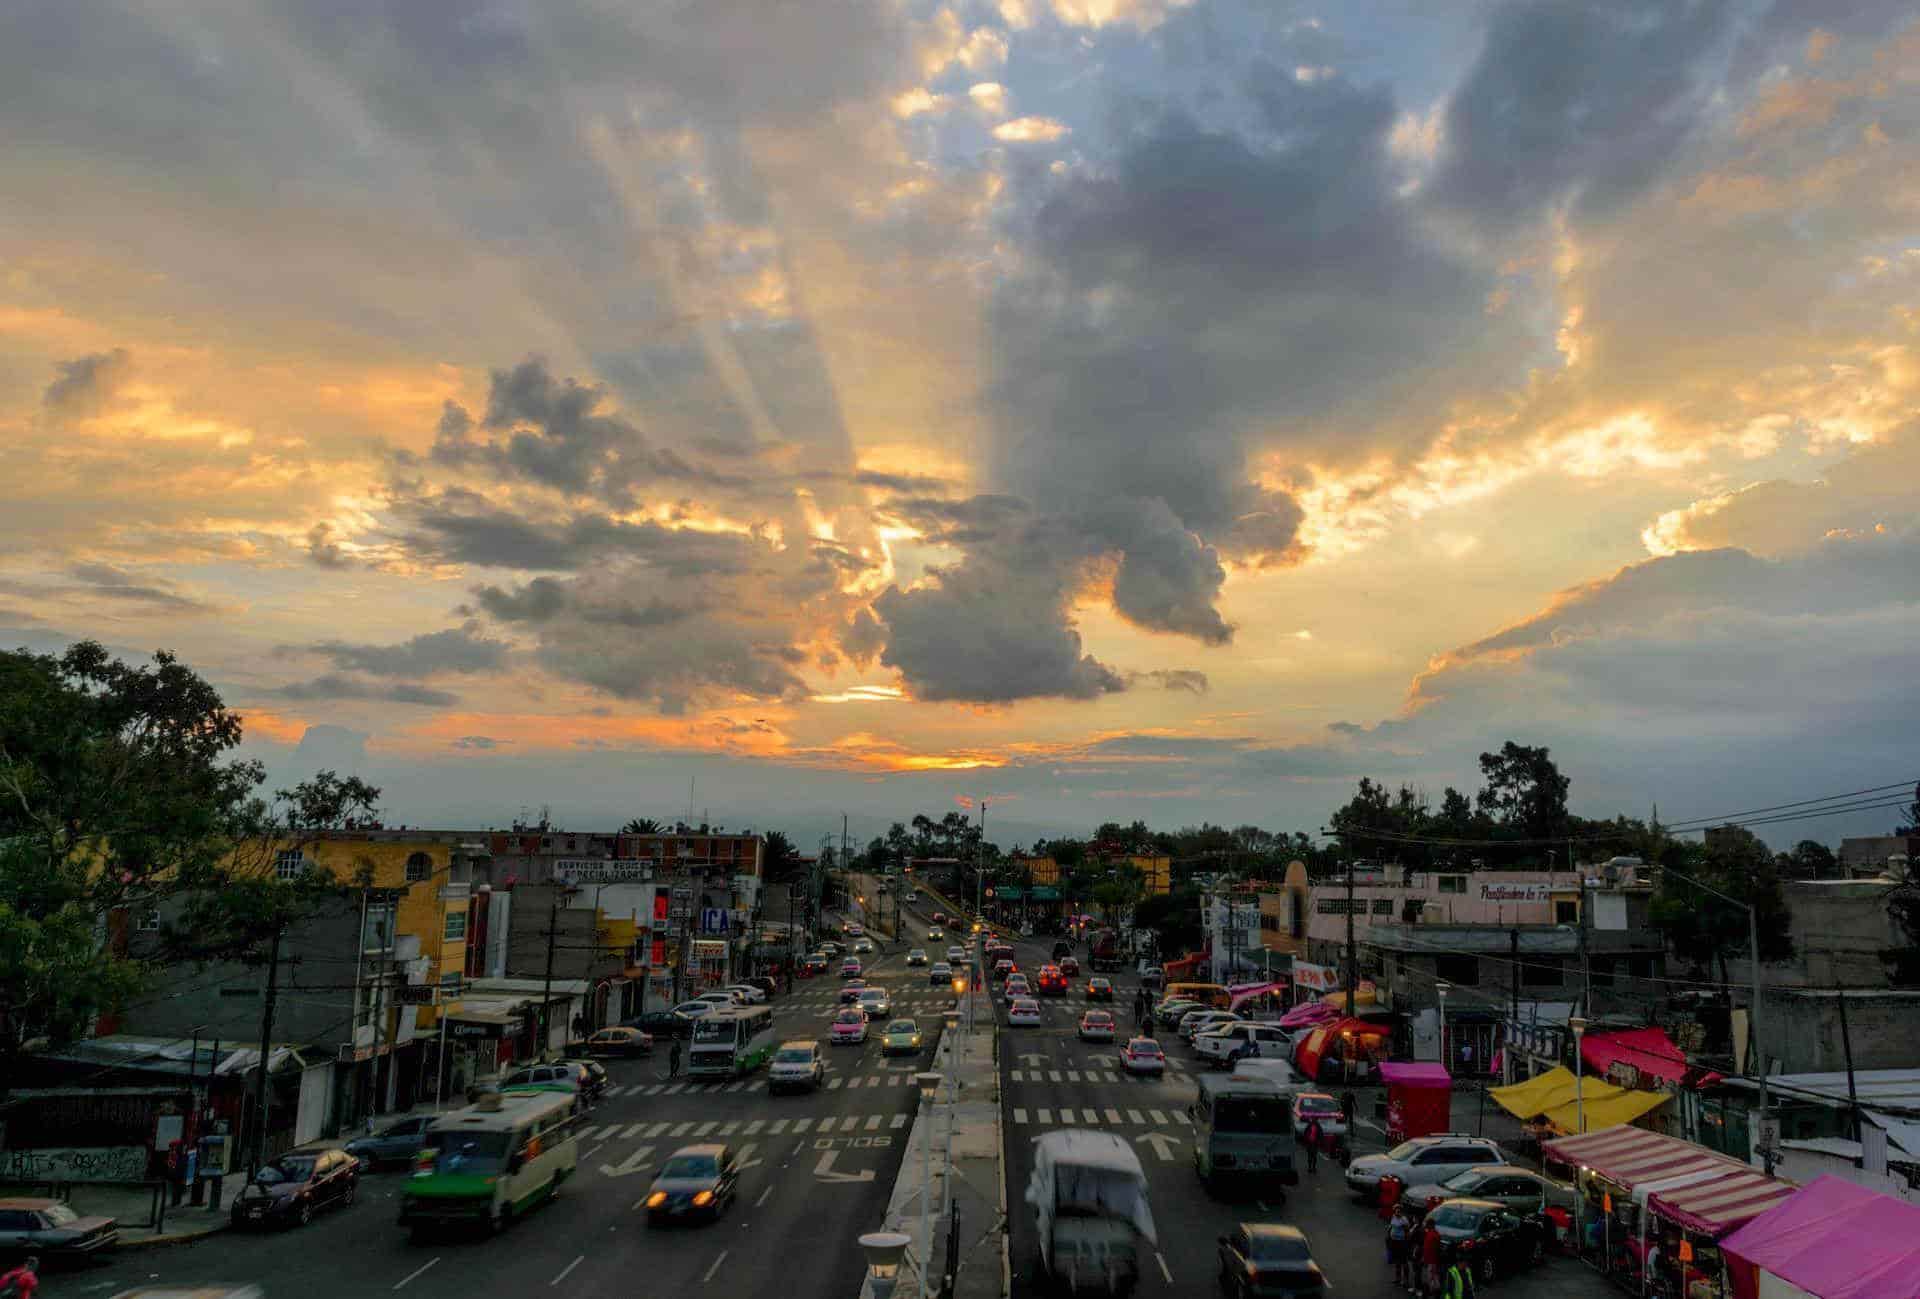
1231,1043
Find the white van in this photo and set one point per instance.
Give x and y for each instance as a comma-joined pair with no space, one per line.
1278,1072
488,1164
1089,1199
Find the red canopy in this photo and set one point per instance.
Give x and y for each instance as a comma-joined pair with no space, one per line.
1321,1043
1649,1050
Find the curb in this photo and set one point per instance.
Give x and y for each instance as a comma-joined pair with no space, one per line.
171,1238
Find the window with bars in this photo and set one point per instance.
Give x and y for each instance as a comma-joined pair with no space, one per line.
1453,883
456,926
419,867
289,864
149,921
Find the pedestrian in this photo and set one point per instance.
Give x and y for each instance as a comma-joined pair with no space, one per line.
1349,1105
22,1281
1400,1249
1313,1146
673,1060
1459,1283
1430,1260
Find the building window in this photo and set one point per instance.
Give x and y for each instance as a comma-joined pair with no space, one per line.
1640,967
1540,972
1460,971
451,982
1269,922
419,867
456,926
1602,971
1383,906
1566,912
1453,883
289,864
149,921
376,935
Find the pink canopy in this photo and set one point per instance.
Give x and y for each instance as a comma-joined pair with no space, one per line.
1410,1074
1649,1050
1835,1240
1309,1015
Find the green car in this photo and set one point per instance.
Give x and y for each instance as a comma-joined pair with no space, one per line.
901,1038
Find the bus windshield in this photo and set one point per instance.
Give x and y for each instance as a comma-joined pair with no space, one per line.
469,1152
1259,1114
713,1030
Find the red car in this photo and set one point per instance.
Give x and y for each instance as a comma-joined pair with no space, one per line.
1051,982
1069,967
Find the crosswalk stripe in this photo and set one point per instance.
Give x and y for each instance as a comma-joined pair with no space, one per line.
898,1121
654,1090
1133,1116
654,1130
1053,1075
728,1128
833,1083
680,1129
1182,1119
675,1089
801,1125
873,1121
632,1132
1019,1115
1089,1116
1158,1118
1045,1116
706,1127
1066,1116
1113,1116
776,1127
849,1123
753,1127
1017,1075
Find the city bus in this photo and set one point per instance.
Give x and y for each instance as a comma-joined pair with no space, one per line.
488,1164
729,1043
1243,1132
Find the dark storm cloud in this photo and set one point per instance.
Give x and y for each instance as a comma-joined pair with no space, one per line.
87,383
1586,101
537,601
862,638
463,527
459,650
335,686
118,584
322,549
1177,679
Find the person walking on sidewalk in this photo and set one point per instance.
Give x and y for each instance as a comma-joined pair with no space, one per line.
22,1281
1400,1250
673,1059
1313,1146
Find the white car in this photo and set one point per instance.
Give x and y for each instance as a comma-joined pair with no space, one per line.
957,955
753,995
862,946
917,956
1230,1043
1024,1010
855,930
1142,1055
723,999
796,1064
695,1009
876,1003
1421,1160
1197,1020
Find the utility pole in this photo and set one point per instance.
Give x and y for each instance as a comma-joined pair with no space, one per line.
1513,969
546,991
259,1143
1353,960
980,862
1846,1045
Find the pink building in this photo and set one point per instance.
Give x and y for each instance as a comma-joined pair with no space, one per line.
1399,895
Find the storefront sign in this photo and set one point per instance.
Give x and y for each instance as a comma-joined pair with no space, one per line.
597,871
1515,892
75,1164
417,994
1319,978
467,1030
714,920
708,950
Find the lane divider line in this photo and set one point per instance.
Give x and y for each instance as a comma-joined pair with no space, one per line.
416,1272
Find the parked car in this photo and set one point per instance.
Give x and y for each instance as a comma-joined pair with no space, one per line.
1142,1055
901,1037
1170,1013
292,1188
1024,1010
1519,1189
724,998
917,956
695,1182
394,1145
849,1027
695,1009
620,1042
1268,1258
1228,1044
1097,1026
1421,1160
764,983
53,1230
1489,1236
753,996
796,1064
1193,1022
1099,989
662,1023
940,972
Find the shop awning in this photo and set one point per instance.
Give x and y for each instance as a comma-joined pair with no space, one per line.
1559,1096
1410,1074
1713,1208
1627,1156
1834,1240
1648,1050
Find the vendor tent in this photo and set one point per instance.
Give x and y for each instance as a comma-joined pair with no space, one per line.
1419,1098
1647,1051
1364,994
1831,1240
1324,1043
1308,1014
1716,1206
1559,1096
1628,1156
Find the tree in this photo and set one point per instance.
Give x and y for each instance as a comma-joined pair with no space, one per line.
1912,815
1903,963
1709,928
1524,791
117,794
1809,860
1174,919
642,825
780,863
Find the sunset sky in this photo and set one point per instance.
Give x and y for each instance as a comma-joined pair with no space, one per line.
1112,408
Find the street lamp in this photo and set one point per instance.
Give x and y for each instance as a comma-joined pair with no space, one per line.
929,1082
1579,1026
1441,988
884,1250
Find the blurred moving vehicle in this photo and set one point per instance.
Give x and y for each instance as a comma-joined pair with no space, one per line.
1088,1195
1142,1055
1489,1236
695,1182
900,1037
620,1042
797,1065
1024,1011
917,956
1099,989
489,1164
1097,1026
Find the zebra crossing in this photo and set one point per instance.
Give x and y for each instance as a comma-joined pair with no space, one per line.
702,1129
1097,1116
834,1082
1089,1074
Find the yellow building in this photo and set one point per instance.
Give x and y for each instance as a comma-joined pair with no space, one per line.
1045,870
1156,873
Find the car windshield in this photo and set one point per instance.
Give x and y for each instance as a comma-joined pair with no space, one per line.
851,1017
285,1170
469,1152
794,1055
873,994
1261,1114
59,1215
1457,1217
1099,1017
1404,1151
1319,1105
1146,1048
694,1007
1464,1182
689,1166
1280,1249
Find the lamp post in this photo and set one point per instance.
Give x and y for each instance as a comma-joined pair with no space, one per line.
1579,1026
929,1088
884,1250
1441,988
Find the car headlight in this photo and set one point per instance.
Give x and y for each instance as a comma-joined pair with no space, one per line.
657,1199
703,1199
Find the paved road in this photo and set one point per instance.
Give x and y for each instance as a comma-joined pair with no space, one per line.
819,1169
1050,1080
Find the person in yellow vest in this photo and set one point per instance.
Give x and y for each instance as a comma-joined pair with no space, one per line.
1458,1282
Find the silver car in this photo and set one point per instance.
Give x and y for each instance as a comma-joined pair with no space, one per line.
1522,1190
797,1065
1423,1160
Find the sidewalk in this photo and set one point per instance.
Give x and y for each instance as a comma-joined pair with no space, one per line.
977,1177
132,1206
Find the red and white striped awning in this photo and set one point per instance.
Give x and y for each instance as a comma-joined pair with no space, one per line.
1627,1156
1718,1206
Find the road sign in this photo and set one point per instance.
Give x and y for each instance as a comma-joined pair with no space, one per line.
824,1171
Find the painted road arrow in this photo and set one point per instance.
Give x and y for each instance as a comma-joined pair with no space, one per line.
1162,1144
824,1171
1032,1061
637,1162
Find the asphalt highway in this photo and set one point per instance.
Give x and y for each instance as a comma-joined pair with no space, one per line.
819,1169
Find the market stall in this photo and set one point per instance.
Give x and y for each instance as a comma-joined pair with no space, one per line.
1419,1099
1554,1103
1830,1240
1344,1051
1309,1015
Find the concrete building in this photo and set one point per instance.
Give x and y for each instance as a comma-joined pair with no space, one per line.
1888,854
1839,929
1230,930
1398,895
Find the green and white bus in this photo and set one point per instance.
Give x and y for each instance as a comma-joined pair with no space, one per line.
732,1042
491,1163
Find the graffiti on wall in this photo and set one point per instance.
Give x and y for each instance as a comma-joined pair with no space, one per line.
75,1164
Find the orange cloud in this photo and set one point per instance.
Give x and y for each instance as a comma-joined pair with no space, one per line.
277,727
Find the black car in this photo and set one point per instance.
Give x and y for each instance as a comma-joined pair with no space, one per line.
695,1182
1061,949
1268,1258
662,1023
1488,1236
293,1188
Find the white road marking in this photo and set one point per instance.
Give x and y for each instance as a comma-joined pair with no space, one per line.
564,1271
1045,1116
1073,1075
723,1258
1019,1115
801,1125
728,1128
655,1129
706,1127
416,1272
753,1127
778,1126
674,1090
763,1197
654,1090
899,1121
596,1150
1159,1119
1133,1116
1162,1259
1178,1117
1113,1116
849,1123
681,1129
834,1082
1017,1075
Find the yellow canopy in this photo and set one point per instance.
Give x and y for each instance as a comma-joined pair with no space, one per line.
1559,1096
1364,994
